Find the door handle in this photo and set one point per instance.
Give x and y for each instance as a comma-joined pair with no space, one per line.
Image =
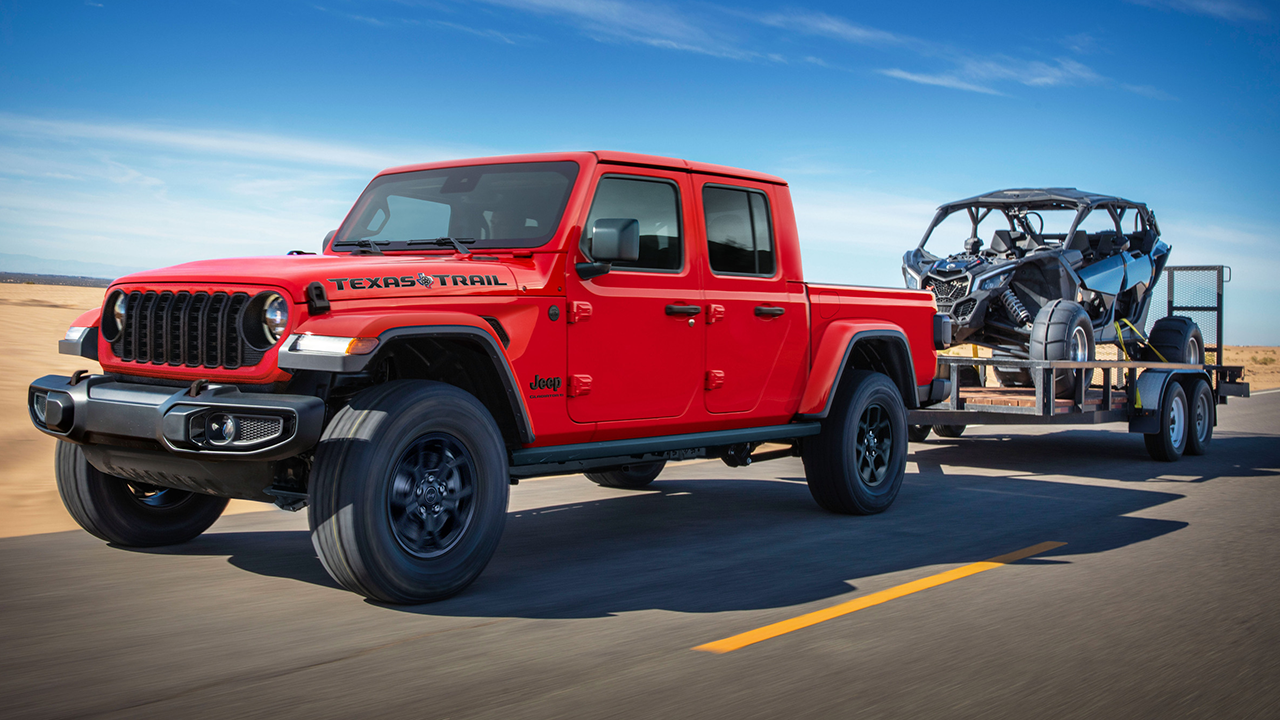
767,311
689,310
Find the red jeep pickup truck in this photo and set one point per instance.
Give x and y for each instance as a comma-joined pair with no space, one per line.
471,323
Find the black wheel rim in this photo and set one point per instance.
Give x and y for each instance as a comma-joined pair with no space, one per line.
430,502
152,496
874,445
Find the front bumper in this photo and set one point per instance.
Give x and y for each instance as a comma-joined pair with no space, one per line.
97,410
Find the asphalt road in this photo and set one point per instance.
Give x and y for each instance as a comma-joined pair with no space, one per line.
1162,603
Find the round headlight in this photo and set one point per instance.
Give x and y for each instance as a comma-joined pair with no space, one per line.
112,323
275,317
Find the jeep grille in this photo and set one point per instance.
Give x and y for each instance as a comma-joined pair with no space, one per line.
197,329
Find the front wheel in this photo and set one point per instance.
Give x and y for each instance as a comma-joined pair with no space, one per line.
408,492
127,512
856,464
1062,331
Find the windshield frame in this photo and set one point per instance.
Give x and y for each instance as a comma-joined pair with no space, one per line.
347,232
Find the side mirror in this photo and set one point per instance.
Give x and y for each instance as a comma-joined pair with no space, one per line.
611,239
328,236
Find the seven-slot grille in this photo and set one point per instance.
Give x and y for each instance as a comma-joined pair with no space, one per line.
195,329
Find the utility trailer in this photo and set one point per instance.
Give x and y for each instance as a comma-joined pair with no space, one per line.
1173,405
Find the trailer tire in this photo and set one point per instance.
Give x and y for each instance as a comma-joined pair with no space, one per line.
1062,331
1168,444
129,513
1200,425
636,475
949,431
1175,339
856,464
409,492
918,433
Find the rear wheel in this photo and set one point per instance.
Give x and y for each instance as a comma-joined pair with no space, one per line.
409,491
1168,444
918,433
632,476
1062,331
126,512
1200,426
949,431
1175,339
856,464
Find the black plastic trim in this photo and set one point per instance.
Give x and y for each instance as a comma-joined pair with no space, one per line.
639,446
85,347
910,401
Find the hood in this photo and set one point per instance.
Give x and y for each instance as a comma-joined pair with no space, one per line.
344,277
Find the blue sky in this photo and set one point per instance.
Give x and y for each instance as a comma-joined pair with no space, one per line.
136,134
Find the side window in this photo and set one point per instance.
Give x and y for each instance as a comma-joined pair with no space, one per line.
739,236
652,203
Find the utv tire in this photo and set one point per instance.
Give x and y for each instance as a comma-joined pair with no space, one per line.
1062,331
1168,444
918,433
856,464
1201,412
409,492
129,513
1177,339
633,476
949,431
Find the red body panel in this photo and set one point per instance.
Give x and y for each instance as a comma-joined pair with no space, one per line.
625,368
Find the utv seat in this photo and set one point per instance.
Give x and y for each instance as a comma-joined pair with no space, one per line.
1006,242
1143,241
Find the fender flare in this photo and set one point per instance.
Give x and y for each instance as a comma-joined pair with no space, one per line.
838,341
290,359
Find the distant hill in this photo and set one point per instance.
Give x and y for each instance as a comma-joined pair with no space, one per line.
34,279
68,267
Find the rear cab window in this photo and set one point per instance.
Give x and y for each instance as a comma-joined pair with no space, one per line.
739,231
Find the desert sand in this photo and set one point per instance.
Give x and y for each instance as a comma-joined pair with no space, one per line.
37,316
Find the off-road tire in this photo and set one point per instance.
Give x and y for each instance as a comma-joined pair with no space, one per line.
1052,335
1200,412
129,513
374,461
949,431
1168,444
837,460
1176,339
918,433
636,475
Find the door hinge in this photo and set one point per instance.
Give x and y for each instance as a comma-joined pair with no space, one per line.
715,379
714,313
579,312
579,385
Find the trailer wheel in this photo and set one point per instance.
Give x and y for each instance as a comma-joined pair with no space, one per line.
127,512
856,464
1062,331
1176,339
633,476
1200,426
1168,444
918,433
409,491
949,431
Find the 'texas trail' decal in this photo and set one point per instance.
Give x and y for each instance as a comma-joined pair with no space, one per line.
408,281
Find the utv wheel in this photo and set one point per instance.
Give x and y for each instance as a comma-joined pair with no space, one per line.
1176,339
628,476
856,464
130,513
408,492
949,431
918,433
1062,331
1200,425
1168,444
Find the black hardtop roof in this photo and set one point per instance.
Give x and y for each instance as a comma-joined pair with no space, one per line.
1041,199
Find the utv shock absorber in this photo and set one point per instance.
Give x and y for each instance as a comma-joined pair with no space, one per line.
1015,307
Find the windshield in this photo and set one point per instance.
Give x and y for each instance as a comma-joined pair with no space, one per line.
491,206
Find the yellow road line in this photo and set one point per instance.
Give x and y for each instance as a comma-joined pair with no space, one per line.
781,628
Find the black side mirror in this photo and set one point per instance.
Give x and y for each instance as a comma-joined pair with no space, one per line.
328,236
611,239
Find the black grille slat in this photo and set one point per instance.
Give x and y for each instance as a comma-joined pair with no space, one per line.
195,329
214,314
233,346
175,338
160,328
131,322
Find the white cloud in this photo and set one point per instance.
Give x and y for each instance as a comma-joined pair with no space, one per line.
938,80
1232,10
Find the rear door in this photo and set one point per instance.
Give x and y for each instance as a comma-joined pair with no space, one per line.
756,326
636,333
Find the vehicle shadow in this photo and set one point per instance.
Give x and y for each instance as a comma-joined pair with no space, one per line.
1098,454
715,544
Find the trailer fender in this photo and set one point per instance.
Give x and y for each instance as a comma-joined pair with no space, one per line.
1144,415
835,353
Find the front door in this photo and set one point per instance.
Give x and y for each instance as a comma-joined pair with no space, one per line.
636,333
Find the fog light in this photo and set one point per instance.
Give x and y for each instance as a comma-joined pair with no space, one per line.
58,412
221,429
37,405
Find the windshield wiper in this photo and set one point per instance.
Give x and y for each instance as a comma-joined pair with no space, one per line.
456,242
368,244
